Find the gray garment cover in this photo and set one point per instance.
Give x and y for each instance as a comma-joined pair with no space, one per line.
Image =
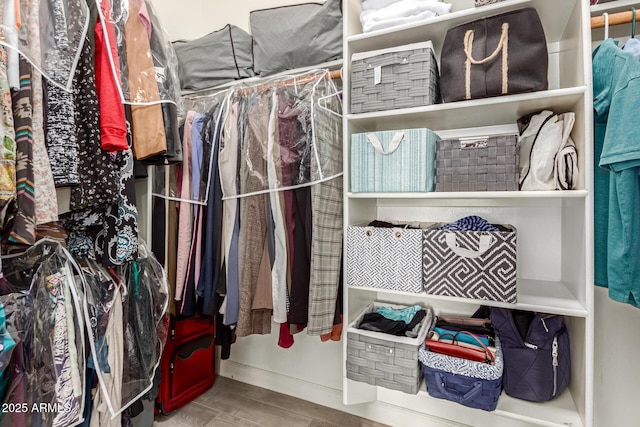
318,36
232,51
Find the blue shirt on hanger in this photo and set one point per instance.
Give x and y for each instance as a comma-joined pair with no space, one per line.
616,92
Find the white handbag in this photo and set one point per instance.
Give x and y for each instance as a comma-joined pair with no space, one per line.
548,155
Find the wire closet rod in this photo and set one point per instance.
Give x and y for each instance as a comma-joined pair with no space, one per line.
614,19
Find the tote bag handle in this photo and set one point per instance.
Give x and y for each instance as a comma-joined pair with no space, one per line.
393,146
503,46
485,243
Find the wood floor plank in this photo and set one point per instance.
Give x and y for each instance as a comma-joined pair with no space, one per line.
233,403
261,413
289,403
192,415
226,420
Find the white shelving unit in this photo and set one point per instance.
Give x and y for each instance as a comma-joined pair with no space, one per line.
555,228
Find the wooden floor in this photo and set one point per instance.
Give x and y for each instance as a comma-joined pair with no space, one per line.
230,403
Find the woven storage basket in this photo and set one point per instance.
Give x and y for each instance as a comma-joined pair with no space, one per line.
471,264
474,384
385,258
393,161
477,164
386,360
399,77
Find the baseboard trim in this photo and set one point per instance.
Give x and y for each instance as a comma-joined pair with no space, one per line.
380,412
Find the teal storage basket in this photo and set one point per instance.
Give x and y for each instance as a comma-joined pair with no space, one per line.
393,161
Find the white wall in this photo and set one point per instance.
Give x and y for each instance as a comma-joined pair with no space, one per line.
189,19
617,326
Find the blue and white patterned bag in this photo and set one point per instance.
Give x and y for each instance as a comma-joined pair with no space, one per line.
470,383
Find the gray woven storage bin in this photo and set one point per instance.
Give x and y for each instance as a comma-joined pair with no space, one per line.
408,77
385,360
477,164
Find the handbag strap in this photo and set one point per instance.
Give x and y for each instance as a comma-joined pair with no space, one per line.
503,45
393,145
488,352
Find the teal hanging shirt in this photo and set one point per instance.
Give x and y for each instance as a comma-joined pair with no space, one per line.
616,93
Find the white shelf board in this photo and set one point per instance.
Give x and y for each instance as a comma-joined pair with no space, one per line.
475,195
613,7
533,295
553,17
475,112
561,411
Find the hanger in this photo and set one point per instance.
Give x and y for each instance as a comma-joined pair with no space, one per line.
633,22
606,25
323,105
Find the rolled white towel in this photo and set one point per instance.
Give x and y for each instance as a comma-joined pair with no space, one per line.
403,12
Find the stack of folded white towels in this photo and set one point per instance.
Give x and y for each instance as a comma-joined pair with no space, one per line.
379,14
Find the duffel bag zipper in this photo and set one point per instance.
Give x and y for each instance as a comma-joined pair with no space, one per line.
554,353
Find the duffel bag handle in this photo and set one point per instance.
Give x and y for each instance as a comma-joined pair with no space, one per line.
503,46
393,146
485,243
460,398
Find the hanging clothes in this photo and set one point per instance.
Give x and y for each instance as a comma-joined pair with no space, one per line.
185,219
327,222
292,127
149,137
61,141
98,172
616,90
228,165
23,229
279,258
113,128
211,279
7,133
254,316
46,199
41,283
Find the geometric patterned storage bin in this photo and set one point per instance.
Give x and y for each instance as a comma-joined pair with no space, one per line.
386,258
382,359
471,264
393,161
477,164
398,77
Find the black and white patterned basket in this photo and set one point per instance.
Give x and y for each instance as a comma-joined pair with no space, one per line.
471,264
386,258
400,77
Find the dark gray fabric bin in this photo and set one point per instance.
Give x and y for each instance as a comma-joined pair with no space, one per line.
219,57
296,36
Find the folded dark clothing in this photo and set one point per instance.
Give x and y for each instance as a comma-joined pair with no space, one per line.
384,224
378,323
417,318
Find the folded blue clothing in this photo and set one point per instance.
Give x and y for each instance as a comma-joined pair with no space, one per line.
460,336
470,223
405,314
